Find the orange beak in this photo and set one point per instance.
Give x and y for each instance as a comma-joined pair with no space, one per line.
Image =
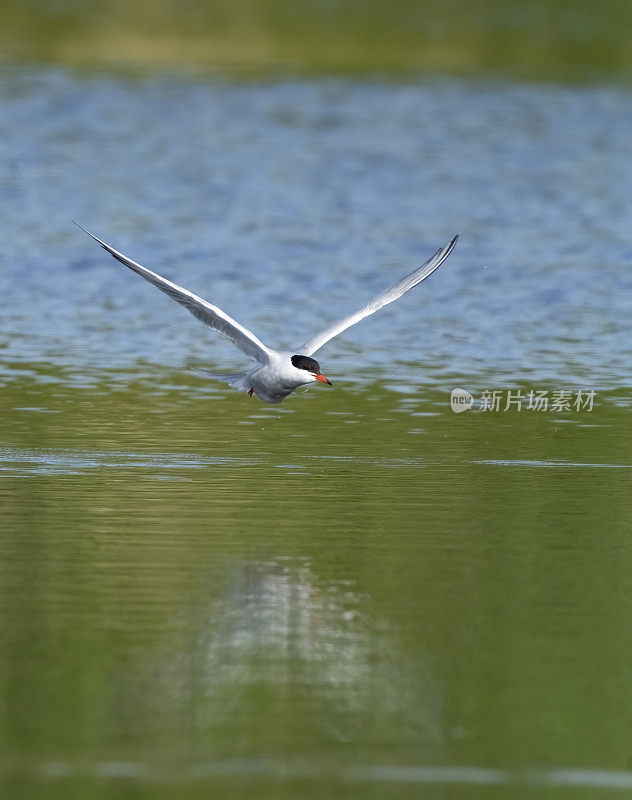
322,379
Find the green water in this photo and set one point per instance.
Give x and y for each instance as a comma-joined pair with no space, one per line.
581,40
204,594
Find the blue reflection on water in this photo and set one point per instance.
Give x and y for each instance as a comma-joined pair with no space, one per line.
289,203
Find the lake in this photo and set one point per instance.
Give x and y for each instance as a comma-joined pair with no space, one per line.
359,592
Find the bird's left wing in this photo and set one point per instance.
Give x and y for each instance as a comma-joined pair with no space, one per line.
211,315
383,298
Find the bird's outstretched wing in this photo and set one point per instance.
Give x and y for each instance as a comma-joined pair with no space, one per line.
211,315
383,298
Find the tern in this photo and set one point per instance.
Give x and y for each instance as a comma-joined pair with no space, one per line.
275,374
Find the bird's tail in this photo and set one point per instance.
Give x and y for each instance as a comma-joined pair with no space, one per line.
235,379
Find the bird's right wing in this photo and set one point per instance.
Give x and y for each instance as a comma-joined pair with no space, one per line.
381,300
211,315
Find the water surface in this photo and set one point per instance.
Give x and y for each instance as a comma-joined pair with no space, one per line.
357,592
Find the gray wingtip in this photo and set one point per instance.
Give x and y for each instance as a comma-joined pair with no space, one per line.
92,236
83,229
448,248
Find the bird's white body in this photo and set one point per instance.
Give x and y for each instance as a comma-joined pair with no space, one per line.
275,374
271,382
278,378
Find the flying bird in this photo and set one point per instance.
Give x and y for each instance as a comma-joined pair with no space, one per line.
275,374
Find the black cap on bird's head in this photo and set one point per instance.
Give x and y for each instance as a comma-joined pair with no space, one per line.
310,365
305,362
